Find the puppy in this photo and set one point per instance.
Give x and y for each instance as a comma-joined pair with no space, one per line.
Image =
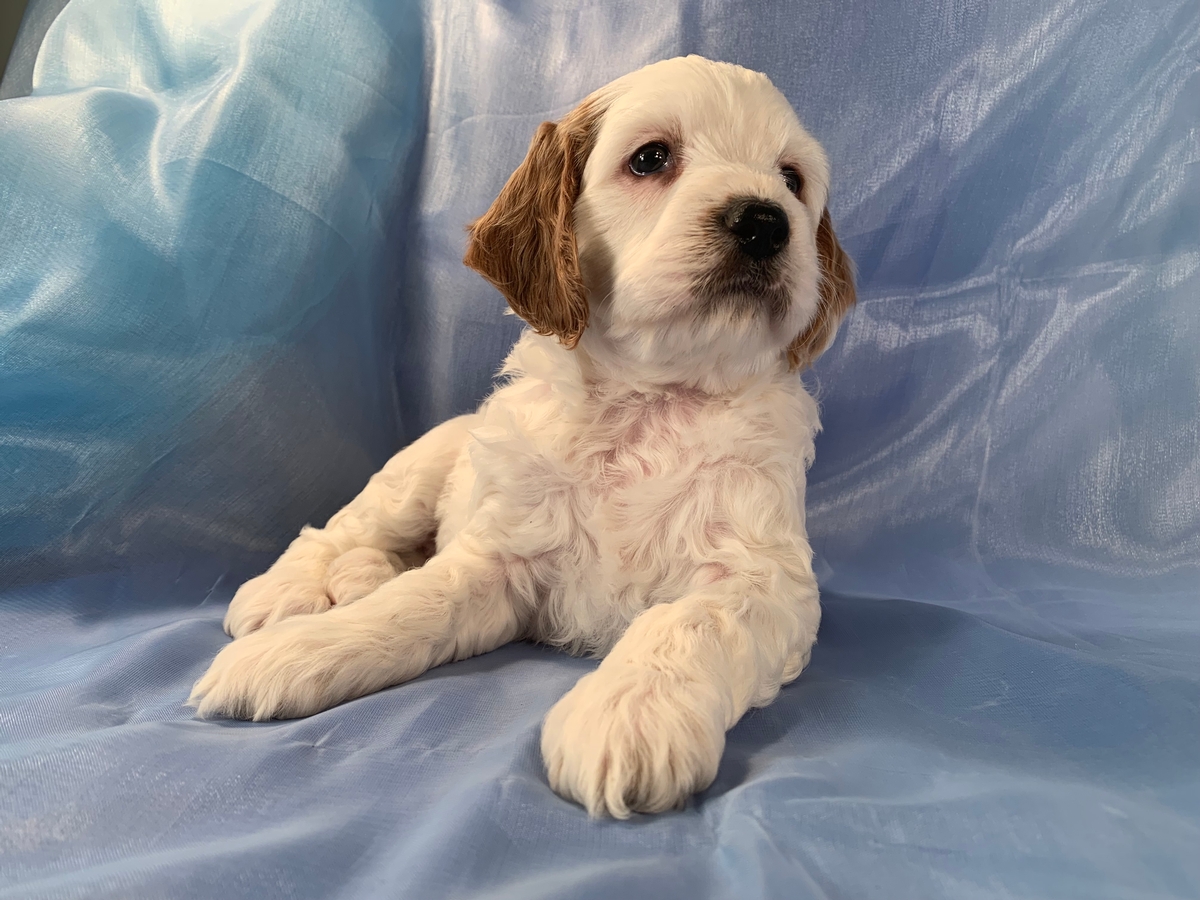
635,487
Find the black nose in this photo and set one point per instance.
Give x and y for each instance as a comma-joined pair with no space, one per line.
760,227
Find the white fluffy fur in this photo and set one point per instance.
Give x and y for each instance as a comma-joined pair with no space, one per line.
639,497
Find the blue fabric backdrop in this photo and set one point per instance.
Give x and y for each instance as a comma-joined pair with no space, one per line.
230,287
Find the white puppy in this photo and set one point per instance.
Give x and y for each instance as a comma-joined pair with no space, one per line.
635,488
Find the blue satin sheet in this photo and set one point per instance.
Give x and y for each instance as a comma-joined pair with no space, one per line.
231,286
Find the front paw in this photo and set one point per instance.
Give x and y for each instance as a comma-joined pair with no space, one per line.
628,739
275,595
286,671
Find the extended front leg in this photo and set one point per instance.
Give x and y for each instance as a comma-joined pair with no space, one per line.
457,605
647,728
394,513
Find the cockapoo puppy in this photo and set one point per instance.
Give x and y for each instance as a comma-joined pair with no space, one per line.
635,488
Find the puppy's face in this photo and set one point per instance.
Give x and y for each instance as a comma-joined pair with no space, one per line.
674,224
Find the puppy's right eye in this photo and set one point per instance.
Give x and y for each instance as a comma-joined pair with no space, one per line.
650,158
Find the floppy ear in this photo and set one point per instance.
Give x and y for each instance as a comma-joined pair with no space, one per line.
525,243
837,296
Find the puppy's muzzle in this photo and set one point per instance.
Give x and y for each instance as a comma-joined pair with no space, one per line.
740,271
761,227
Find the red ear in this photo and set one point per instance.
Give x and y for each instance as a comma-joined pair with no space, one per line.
837,296
525,243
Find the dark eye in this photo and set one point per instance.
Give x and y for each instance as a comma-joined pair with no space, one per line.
792,179
649,158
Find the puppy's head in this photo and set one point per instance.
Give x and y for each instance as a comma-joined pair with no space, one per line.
675,224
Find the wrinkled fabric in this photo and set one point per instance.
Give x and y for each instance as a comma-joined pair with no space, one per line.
231,285
201,220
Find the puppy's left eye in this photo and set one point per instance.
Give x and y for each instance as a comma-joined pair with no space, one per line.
792,179
650,158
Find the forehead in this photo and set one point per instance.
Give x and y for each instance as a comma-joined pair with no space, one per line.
715,109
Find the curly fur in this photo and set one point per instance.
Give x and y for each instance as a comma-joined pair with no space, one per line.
634,488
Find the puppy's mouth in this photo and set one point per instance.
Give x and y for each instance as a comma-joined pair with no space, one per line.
745,276
746,289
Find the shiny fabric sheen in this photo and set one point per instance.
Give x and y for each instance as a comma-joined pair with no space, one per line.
231,285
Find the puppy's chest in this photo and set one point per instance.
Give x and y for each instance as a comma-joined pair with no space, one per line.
631,472
634,492
633,485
